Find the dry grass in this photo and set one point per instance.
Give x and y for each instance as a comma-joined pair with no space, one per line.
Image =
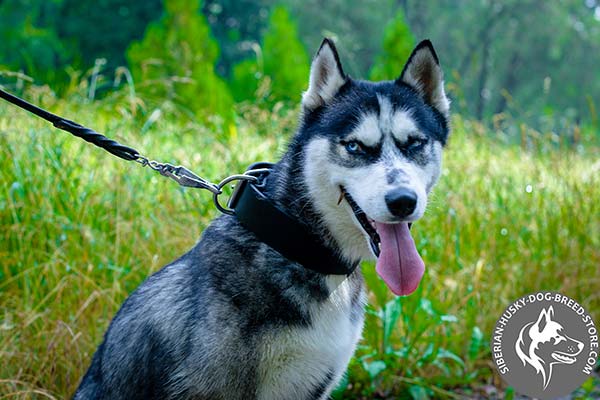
80,229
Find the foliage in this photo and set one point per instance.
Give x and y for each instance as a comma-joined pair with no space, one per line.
357,28
29,43
246,79
523,59
179,48
283,61
530,61
80,229
77,237
398,43
237,26
104,29
50,40
286,61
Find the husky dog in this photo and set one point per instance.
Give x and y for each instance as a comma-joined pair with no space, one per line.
234,319
544,343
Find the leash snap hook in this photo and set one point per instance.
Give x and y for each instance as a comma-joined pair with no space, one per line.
187,178
180,174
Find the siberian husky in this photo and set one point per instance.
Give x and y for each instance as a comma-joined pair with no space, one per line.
233,318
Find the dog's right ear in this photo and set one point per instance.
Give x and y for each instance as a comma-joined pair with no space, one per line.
423,72
326,77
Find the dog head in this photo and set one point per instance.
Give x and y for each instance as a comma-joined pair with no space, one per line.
376,144
544,343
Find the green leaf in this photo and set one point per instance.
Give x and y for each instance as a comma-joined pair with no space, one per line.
476,343
449,318
374,368
402,353
430,353
367,356
447,354
425,305
391,312
418,392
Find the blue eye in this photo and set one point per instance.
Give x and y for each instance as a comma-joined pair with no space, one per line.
416,143
353,147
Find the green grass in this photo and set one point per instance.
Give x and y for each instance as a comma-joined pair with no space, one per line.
80,229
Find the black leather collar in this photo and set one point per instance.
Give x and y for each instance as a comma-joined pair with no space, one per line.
293,239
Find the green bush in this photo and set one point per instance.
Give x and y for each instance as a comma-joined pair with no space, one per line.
283,62
29,44
286,61
175,61
81,27
246,78
398,42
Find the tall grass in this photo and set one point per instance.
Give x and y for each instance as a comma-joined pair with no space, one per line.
80,229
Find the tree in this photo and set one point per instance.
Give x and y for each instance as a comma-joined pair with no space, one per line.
176,61
286,61
94,33
30,44
529,60
44,38
283,60
357,28
237,25
246,77
398,43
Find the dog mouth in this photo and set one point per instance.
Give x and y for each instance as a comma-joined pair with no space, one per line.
398,262
563,357
367,224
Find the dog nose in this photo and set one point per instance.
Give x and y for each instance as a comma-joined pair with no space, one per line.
401,202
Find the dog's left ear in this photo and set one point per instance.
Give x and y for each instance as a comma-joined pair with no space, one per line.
326,77
423,72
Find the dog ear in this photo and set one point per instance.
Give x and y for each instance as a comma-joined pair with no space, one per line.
423,72
326,77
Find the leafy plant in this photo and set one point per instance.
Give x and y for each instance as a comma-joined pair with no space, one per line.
29,42
282,64
176,61
404,341
398,42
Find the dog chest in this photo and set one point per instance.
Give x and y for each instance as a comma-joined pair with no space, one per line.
304,361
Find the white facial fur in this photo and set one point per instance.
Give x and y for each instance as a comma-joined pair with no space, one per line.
368,184
367,131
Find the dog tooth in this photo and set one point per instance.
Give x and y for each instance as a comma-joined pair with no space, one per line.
341,197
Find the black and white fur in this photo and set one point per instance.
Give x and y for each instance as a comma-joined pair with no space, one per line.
233,319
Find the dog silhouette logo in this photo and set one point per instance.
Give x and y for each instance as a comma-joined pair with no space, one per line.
544,343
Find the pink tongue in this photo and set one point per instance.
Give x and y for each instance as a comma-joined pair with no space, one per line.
399,264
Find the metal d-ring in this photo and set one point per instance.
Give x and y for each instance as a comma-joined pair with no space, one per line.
221,185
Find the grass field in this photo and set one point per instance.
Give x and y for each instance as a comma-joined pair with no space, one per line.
80,229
